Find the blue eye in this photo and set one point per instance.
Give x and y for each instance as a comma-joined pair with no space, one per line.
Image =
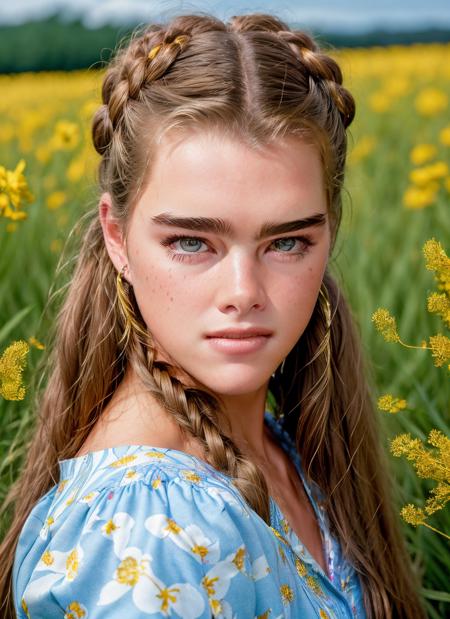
189,244
289,242
187,250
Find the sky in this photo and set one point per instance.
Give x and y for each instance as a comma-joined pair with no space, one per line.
337,15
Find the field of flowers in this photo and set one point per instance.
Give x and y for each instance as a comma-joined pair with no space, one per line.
390,258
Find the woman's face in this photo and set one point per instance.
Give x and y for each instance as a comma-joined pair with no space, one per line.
217,242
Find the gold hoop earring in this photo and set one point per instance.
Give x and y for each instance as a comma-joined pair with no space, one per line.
126,309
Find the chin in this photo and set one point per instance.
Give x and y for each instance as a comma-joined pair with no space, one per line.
235,385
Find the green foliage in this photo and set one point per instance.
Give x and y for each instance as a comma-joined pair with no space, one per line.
52,45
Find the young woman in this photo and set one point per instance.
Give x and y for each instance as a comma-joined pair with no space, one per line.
207,444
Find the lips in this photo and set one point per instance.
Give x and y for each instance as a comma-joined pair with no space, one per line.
239,334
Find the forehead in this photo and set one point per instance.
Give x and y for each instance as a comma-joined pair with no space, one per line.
205,169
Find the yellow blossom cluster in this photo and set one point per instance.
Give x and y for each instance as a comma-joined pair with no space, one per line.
14,192
12,363
426,180
431,101
388,93
386,324
431,464
51,131
437,260
390,404
438,344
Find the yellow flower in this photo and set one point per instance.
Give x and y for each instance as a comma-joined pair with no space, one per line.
440,497
390,404
444,136
435,256
76,169
55,200
396,86
440,347
66,136
14,192
416,197
34,342
423,176
386,325
380,102
439,440
431,101
428,464
439,304
403,444
12,363
412,515
421,153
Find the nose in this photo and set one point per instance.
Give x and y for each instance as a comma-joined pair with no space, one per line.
240,284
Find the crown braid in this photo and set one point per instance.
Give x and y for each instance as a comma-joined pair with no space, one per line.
325,75
146,59
324,72
125,81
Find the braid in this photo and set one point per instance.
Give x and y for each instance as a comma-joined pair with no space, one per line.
124,82
196,412
146,59
324,72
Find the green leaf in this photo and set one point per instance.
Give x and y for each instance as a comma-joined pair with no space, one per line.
15,320
442,596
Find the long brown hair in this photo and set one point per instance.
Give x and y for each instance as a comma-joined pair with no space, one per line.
258,80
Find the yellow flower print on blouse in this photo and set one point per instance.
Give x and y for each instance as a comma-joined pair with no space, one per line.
75,610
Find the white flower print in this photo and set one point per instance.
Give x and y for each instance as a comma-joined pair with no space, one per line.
118,530
260,568
64,567
149,593
191,539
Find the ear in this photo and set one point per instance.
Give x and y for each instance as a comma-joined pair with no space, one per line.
112,233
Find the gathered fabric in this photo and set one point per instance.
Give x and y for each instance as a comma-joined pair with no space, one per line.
136,530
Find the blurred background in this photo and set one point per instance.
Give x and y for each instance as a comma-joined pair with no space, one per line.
391,250
68,34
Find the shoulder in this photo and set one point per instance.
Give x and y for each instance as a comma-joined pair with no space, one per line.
176,540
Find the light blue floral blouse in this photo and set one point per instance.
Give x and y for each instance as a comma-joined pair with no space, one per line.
136,531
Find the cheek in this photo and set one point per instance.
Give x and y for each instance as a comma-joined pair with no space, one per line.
162,290
301,291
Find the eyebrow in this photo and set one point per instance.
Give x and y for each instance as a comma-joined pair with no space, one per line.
224,227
